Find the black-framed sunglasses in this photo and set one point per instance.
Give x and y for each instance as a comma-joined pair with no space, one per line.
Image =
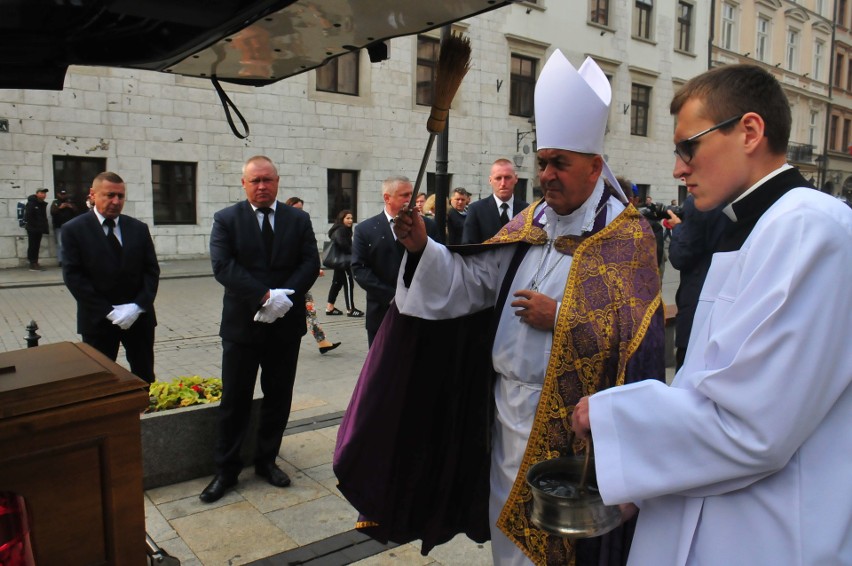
685,149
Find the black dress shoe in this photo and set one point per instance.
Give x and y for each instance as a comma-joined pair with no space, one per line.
324,349
273,474
217,488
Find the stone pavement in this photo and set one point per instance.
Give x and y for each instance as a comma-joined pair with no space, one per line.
306,523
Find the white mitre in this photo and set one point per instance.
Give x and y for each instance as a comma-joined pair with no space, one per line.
571,109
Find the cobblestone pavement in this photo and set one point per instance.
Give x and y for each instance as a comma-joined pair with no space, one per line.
255,522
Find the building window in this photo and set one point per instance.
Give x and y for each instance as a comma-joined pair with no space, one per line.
832,133
844,146
340,75
342,192
819,48
683,29
838,68
729,26
75,175
640,103
427,67
643,12
522,85
792,49
173,184
841,12
849,74
820,7
599,12
762,45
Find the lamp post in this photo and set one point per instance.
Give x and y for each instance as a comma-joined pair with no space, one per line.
822,165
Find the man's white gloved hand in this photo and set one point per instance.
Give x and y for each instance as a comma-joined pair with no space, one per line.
124,315
275,306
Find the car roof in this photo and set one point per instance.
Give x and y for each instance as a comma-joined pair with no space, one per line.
254,42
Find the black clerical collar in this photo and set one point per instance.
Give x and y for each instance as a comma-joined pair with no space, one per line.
751,207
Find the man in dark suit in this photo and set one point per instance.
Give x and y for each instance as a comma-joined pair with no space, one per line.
376,255
456,215
485,217
111,269
695,236
265,255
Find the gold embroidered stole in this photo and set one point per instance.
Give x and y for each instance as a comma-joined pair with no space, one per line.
612,292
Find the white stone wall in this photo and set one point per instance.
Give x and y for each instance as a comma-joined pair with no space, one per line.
132,117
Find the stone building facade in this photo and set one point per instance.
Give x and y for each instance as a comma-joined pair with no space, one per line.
167,135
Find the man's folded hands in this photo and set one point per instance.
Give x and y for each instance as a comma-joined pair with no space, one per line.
124,315
276,306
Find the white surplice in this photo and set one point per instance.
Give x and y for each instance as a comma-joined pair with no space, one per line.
747,457
447,285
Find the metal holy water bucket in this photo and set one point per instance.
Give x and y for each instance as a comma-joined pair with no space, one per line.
577,512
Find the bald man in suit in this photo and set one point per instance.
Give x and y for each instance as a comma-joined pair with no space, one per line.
485,217
265,255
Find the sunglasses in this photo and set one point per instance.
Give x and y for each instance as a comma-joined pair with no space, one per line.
685,149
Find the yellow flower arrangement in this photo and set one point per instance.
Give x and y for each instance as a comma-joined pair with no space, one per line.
183,392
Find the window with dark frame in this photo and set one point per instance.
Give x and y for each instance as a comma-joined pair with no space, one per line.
642,18
640,103
838,68
173,192
342,192
684,26
75,175
832,133
599,12
340,75
522,88
427,67
844,143
849,75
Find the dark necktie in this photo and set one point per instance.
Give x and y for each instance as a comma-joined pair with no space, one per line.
266,231
504,216
111,237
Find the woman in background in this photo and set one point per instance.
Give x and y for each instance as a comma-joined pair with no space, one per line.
316,330
341,234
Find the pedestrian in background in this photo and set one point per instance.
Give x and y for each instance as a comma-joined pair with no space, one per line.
35,215
695,236
341,234
323,343
61,211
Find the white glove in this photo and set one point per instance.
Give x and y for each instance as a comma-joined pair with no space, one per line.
124,315
275,306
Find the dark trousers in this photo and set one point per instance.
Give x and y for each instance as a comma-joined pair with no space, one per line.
240,362
138,342
375,315
33,245
680,356
342,280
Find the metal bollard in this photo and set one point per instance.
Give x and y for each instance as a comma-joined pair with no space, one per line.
32,338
